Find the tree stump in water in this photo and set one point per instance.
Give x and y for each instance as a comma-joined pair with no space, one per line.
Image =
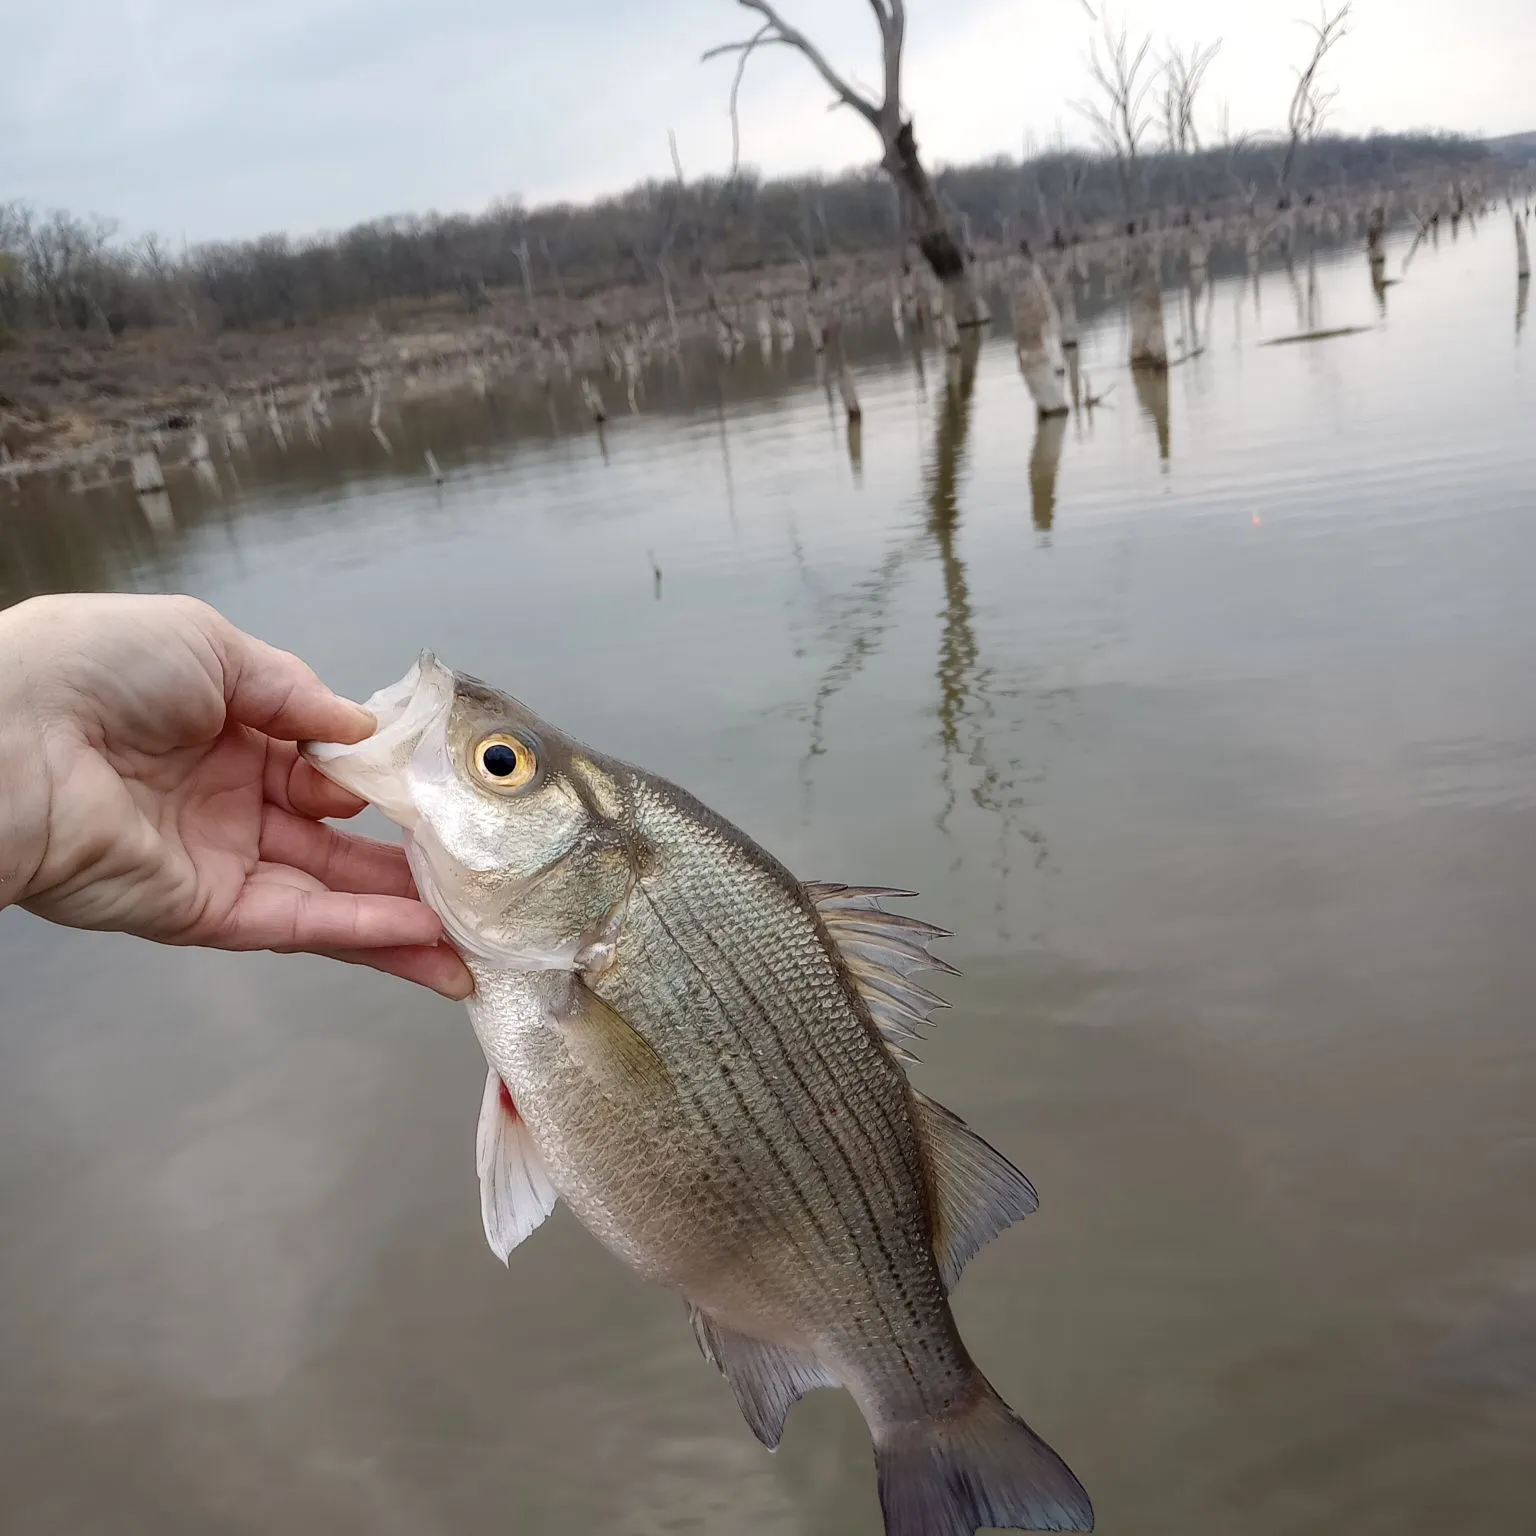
1149,341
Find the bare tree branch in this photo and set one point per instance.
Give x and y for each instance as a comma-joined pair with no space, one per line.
1121,121
1183,75
1309,105
778,30
937,236
893,31
744,50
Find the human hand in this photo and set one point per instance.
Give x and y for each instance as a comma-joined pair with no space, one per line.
149,784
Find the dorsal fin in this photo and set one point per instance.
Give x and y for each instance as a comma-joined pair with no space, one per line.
977,1192
881,950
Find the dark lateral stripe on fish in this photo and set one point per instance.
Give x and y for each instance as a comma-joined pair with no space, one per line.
894,1130
831,1252
792,1121
698,1104
872,1225
746,1179
698,1101
717,1131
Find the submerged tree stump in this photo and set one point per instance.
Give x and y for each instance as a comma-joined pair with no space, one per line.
147,474
1149,340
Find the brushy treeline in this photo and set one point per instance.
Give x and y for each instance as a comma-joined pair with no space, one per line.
68,272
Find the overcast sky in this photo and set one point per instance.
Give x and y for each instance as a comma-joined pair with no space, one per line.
210,118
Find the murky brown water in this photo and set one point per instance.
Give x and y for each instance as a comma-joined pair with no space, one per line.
1217,749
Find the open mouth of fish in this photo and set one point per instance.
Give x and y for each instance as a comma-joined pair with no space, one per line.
376,769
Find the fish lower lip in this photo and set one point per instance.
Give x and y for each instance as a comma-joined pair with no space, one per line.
377,768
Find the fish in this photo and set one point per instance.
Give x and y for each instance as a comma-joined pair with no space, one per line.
706,1059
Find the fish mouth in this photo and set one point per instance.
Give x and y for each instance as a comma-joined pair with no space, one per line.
376,769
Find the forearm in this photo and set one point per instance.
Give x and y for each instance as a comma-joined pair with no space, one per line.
23,776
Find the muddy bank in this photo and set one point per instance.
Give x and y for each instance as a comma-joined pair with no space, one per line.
75,399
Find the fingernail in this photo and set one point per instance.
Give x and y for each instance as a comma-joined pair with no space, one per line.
458,991
360,723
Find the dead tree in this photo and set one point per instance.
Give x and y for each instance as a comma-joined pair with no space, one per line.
1232,146
1310,104
1120,119
932,228
728,334
649,244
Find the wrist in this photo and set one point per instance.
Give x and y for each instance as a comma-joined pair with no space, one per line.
24,795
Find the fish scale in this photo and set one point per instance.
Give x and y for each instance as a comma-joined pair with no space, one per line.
698,1053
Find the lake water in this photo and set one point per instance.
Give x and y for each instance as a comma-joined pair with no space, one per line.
1216,747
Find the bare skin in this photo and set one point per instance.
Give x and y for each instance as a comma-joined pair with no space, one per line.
150,784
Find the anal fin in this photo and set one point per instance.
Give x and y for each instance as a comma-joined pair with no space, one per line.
515,1189
977,1192
767,1379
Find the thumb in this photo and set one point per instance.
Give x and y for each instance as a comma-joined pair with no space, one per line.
273,691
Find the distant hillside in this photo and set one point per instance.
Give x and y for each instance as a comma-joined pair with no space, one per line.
1519,147
62,272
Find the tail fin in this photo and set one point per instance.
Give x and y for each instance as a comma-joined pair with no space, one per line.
976,1470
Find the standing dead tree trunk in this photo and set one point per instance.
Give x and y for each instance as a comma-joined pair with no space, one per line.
931,227
1310,104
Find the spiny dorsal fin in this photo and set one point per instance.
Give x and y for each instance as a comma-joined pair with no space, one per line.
881,950
768,1379
977,1192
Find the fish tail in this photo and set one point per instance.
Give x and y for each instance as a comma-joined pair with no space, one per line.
982,1467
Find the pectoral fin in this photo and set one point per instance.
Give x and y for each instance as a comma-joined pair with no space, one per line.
977,1192
515,1191
606,1045
767,1379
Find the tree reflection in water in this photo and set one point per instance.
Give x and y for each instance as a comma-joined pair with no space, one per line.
969,728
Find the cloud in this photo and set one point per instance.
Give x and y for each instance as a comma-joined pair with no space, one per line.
216,120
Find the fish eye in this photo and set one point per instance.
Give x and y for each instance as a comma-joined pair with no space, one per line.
504,763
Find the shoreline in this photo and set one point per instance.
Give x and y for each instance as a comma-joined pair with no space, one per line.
82,404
